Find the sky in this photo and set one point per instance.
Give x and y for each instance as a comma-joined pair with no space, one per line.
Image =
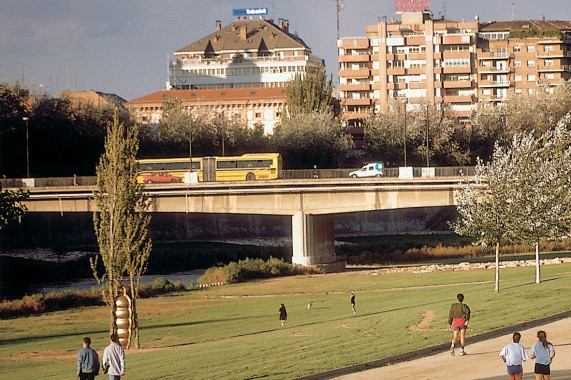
123,46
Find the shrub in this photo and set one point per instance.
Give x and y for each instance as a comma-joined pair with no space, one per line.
250,269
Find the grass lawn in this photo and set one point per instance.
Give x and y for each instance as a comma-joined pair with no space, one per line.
233,332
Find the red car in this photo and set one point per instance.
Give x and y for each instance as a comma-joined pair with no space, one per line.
161,177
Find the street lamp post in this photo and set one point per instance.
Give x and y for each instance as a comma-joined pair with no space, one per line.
26,119
190,136
404,102
223,129
427,163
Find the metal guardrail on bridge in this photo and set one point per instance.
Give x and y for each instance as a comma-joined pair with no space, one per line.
447,171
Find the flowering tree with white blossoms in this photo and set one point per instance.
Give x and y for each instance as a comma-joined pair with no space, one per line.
485,205
542,205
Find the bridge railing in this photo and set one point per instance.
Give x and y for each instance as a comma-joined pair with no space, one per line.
446,171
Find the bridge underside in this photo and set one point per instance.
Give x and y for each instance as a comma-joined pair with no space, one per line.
310,207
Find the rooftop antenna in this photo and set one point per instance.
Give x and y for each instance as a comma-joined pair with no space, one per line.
513,10
339,4
444,10
273,9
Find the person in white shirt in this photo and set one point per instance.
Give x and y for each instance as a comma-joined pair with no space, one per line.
513,354
543,353
114,358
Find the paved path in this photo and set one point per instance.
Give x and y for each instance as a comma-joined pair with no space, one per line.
482,361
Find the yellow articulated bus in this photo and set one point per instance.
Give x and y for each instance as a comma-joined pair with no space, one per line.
247,167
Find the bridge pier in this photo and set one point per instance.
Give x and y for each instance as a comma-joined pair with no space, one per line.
313,239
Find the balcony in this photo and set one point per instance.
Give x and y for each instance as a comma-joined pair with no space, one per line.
396,86
361,73
487,83
492,55
354,116
416,85
457,39
458,98
455,54
417,56
554,54
394,71
493,98
498,70
353,43
457,84
554,68
355,58
415,40
415,70
356,102
456,69
355,87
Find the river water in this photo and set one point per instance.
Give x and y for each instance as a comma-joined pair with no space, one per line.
85,284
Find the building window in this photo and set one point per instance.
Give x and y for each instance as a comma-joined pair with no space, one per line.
530,91
548,62
530,49
531,78
517,49
502,50
547,49
517,78
549,76
518,91
517,63
530,63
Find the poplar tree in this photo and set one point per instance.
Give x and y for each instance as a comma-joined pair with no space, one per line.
308,92
485,205
120,222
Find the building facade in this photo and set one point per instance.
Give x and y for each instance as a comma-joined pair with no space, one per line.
457,63
519,57
251,105
246,53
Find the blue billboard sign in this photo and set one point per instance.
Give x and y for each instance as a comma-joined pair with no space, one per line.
250,12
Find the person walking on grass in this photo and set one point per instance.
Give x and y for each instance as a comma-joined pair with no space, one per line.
353,302
513,354
283,314
543,353
458,318
114,358
87,361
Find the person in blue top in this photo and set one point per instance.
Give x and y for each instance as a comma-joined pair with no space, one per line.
87,361
513,354
543,353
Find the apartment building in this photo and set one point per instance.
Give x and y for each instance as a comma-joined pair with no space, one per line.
246,53
519,57
251,105
457,63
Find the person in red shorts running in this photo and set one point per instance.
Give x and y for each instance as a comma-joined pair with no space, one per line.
458,318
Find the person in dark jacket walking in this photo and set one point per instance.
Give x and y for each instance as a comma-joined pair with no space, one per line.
458,318
283,314
87,361
353,302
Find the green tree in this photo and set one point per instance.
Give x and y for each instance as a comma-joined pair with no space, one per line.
384,136
12,205
485,205
121,221
316,138
308,92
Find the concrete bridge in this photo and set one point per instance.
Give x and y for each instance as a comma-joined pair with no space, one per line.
311,203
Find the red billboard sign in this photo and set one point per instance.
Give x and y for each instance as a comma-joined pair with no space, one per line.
411,5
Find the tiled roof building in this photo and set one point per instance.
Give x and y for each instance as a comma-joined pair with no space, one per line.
252,105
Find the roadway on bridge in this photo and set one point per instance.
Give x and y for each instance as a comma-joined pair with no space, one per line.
482,361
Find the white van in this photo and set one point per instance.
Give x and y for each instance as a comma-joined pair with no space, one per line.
374,169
